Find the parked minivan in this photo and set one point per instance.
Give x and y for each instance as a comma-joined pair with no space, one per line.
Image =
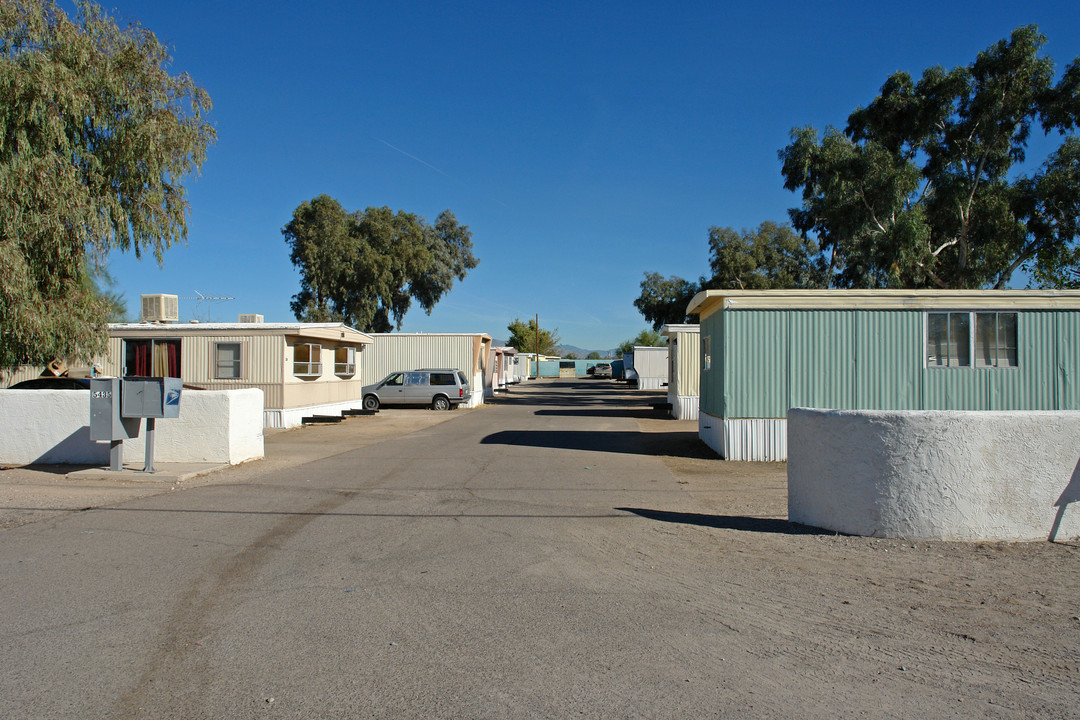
440,388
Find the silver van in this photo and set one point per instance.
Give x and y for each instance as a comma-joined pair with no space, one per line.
440,389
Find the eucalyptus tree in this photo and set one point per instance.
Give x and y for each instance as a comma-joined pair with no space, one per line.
923,187
769,257
96,138
366,268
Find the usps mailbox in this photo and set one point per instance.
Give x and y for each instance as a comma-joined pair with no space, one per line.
117,408
151,397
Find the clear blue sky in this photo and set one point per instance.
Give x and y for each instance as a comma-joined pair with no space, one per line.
583,143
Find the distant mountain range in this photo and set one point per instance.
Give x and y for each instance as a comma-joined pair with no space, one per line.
565,350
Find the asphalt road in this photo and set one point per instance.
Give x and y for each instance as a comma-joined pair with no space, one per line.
505,563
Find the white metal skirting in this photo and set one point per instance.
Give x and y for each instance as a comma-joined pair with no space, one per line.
294,417
651,383
753,439
684,407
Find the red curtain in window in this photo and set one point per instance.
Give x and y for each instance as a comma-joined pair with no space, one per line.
174,358
142,359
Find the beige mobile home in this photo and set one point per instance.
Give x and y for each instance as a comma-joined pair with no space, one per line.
391,352
684,369
302,368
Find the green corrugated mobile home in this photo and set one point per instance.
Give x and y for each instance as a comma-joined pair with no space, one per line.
764,352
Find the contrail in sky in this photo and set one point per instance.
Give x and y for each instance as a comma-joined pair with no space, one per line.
413,157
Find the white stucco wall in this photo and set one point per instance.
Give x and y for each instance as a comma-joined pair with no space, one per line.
945,475
53,427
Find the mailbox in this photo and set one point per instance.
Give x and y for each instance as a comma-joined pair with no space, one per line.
151,397
106,422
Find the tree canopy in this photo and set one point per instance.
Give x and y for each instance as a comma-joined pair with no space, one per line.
95,140
922,189
523,338
771,256
645,338
366,268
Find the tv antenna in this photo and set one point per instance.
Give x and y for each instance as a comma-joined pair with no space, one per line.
199,300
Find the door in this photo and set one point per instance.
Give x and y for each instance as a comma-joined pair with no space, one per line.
417,391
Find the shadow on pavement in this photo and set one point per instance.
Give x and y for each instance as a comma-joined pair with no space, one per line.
671,444
730,522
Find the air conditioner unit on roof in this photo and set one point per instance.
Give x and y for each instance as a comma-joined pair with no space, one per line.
244,318
160,308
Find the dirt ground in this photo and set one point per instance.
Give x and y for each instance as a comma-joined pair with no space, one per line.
987,629
1000,617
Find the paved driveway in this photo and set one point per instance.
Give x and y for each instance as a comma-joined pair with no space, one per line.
559,553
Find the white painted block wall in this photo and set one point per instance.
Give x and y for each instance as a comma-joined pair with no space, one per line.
936,475
53,427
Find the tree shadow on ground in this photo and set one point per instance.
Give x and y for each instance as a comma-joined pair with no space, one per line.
730,522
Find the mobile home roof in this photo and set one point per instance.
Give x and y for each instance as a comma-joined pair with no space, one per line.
707,302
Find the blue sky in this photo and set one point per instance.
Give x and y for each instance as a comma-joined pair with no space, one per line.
583,143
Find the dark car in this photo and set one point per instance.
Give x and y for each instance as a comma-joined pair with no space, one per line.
53,383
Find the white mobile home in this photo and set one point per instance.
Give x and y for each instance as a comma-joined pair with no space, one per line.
651,367
684,369
391,352
302,368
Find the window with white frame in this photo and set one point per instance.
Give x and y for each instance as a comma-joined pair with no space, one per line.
971,339
307,360
345,361
227,360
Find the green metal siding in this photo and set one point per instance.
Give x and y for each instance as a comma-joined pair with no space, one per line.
1067,372
888,356
767,361
712,379
1033,385
755,352
821,365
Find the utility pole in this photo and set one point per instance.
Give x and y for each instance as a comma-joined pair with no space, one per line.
537,346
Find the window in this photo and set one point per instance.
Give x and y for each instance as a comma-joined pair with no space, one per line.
706,351
306,359
152,358
415,378
995,340
227,361
442,378
950,337
344,361
395,380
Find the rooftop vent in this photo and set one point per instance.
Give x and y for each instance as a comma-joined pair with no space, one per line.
250,318
160,308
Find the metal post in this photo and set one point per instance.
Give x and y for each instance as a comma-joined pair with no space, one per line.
116,455
149,467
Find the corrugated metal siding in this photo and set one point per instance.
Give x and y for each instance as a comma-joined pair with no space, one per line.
689,363
390,353
1067,380
821,367
651,362
712,379
684,407
755,352
757,439
889,360
1033,385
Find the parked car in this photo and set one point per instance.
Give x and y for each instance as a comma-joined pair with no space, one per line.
438,388
602,370
52,383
